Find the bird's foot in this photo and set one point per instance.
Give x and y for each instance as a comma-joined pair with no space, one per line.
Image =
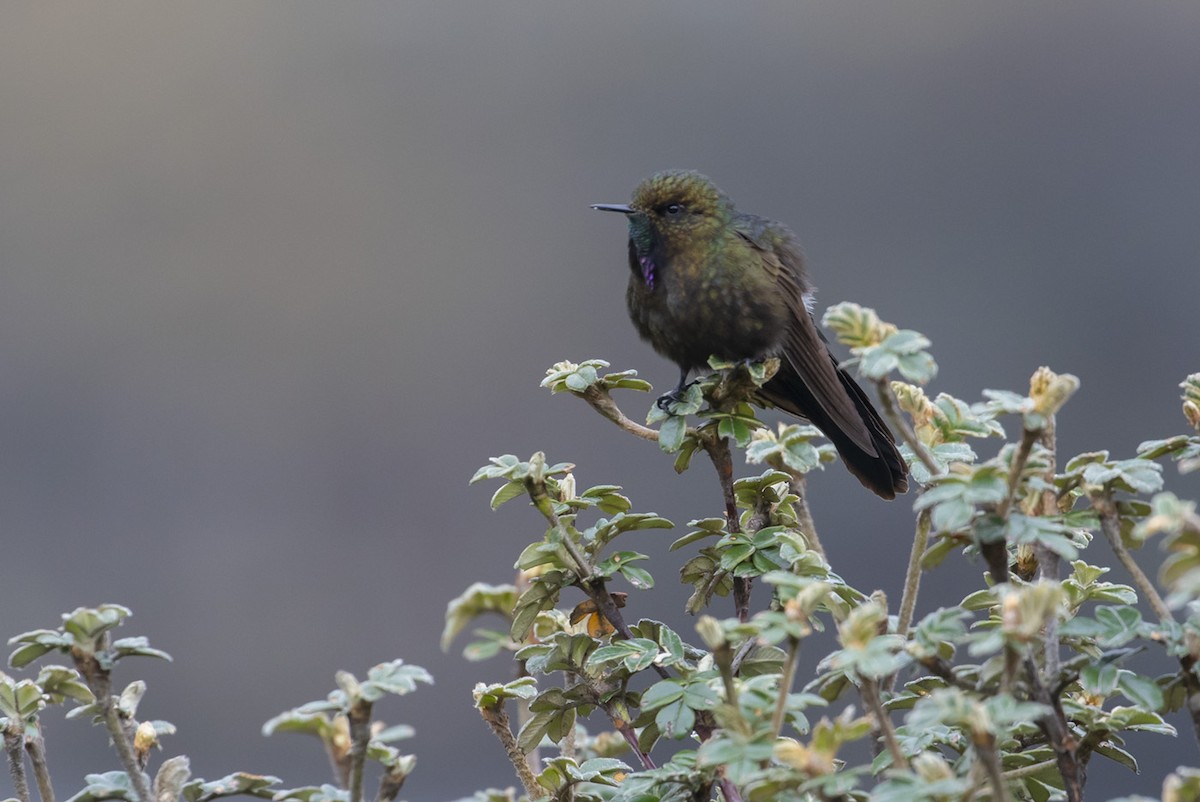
665,401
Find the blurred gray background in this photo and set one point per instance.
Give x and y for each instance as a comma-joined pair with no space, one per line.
277,277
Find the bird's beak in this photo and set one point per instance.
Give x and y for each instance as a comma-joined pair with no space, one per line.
614,207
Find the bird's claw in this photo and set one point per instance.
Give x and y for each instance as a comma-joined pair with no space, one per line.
665,401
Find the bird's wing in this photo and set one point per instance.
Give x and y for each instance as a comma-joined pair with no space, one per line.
804,350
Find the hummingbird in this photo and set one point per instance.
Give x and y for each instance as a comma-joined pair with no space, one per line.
709,280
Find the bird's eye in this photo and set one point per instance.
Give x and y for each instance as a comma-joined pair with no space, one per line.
674,208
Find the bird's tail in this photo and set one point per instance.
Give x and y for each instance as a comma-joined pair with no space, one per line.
883,471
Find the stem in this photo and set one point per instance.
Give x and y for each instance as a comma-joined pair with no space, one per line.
389,787
1016,774
718,452
1049,561
729,791
1016,468
912,577
1058,733
120,739
1110,524
891,410
99,682
497,720
622,725
600,400
991,764
36,747
16,760
785,685
870,695
359,718
804,517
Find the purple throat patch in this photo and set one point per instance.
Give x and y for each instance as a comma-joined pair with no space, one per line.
647,270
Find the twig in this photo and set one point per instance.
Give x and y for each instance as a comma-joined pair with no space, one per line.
99,682
36,747
359,718
1048,561
593,586
1058,733
891,410
804,519
718,451
497,720
600,400
1016,468
1110,524
986,749
389,787
785,685
869,689
622,724
912,577
729,790
16,760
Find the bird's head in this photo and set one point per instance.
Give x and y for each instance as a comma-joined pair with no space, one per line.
672,207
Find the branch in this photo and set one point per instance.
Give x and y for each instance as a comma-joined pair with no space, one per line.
359,718
891,410
497,720
912,577
99,682
717,449
599,399
1049,561
991,764
869,689
1110,524
785,685
1058,733
804,519
36,747
16,759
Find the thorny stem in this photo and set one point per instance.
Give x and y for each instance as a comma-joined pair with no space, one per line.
785,685
869,689
16,760
36,747
359,718
497,719
891,410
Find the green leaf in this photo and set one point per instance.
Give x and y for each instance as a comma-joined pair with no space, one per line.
237,784
671,433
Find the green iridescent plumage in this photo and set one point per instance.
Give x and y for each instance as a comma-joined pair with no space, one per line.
708,280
